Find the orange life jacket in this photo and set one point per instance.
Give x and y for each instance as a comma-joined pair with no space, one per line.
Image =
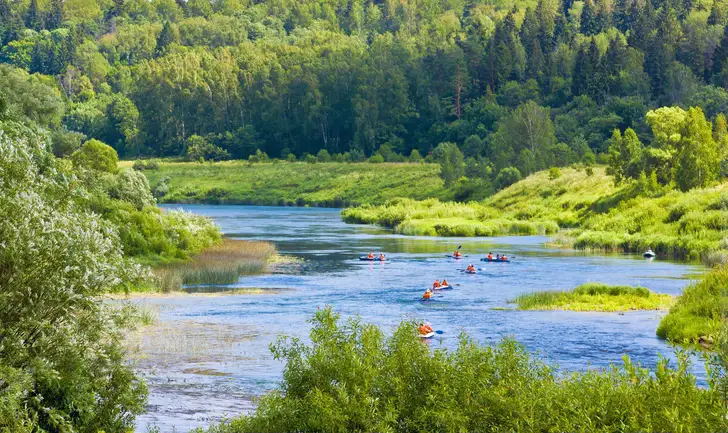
444,283
371,256
427,295
436,283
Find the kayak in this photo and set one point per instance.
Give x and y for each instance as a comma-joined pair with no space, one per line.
485,259
456,257
649,254
448,287
469,272
428,335
375,259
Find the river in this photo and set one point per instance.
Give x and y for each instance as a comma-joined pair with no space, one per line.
208,356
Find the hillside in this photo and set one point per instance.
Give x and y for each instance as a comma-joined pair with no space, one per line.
321,184
599,215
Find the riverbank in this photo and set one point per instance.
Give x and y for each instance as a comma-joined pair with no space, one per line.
331,184
595,297
599,215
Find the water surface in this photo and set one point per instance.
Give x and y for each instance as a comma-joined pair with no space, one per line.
208,357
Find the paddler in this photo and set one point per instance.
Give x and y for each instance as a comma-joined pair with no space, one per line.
504,258
444,283
436,284
424,329
457,254
381,256
490,256
427,295
370,256
471,268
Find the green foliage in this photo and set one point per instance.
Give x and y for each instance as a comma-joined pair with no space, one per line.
699,311
60,344
595,297
507,177
200,149
554,173
451,160
97,156
133,187
353,378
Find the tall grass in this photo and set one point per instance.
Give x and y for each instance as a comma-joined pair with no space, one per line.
699,310
595,297
219,265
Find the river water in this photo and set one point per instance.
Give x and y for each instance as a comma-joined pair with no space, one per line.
208,356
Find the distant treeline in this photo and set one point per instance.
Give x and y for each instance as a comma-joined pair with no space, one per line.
519,84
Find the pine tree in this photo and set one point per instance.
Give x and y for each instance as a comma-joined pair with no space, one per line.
719,60
620,15
644,26
55,18
588,19
168,35
717,15
34,18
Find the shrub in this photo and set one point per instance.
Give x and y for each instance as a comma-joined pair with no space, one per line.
554,173
507,177
323,156
133,187
198,148
353,378
415,156
95,155
291,157
376,159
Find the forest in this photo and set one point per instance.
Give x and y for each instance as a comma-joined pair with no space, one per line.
518,85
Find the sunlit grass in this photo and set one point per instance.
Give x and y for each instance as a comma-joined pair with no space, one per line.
595,297
321,184
598,216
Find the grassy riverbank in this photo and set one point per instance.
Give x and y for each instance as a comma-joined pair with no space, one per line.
699,311
595,297
331,184
601,216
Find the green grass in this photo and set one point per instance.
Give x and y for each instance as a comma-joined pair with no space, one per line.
599,215
595,297
321,184
699,310
219,265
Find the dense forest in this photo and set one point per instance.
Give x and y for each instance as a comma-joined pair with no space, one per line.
512,84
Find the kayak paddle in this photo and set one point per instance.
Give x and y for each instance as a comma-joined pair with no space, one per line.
439,332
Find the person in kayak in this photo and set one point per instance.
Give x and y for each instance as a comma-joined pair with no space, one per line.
381,256
370,256
424,329
457,254
504,258
497,257
471,268
436,284
490,256
427,295
444,283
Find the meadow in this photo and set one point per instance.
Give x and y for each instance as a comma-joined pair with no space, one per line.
595,297
329,184
599,215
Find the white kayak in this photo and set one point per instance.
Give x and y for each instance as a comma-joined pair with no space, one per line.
428,335
448,287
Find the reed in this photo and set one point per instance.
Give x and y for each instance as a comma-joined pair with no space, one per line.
219,265
595,297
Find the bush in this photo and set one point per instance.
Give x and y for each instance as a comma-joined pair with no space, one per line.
291,157
415,156
323,156
145,164
198,148
309,159
353,378
133,187
95,155
554,173
376,159
507,177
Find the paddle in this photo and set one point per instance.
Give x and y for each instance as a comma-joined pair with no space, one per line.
439,332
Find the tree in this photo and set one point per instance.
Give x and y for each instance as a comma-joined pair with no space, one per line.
199,149
625,156
95,155
61,343
133,187
415,156
507,177
451,160
168,36
698,162
522,138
